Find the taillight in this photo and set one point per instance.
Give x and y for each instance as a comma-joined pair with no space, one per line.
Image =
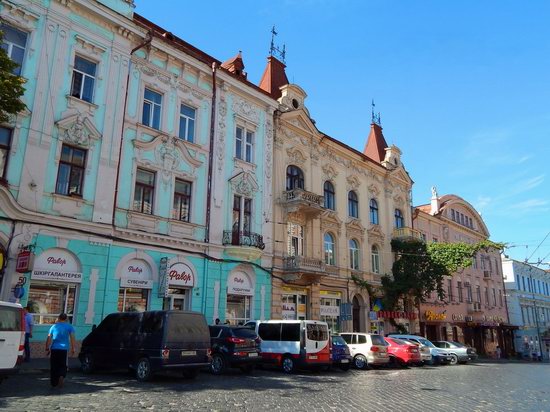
235,340
209,353
375,349
412,350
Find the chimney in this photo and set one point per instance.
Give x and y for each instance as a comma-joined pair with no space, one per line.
435,202
274,77
235,65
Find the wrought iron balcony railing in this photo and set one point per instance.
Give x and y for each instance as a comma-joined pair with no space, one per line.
248,239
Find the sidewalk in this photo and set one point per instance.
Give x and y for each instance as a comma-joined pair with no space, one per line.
42,365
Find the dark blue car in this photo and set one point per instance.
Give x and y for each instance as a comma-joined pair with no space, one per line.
341,355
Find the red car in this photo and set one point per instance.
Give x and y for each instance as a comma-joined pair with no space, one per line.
403,353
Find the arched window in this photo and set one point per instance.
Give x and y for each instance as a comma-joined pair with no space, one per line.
375,259
294,178
353,204
329,195
374,211
330,258
399,222
353,254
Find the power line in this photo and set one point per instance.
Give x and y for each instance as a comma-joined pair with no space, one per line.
537,248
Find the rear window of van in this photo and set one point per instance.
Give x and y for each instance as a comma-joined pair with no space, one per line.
378,340
185,327
316,332
10,319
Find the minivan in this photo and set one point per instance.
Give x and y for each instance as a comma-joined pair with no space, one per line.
367,349
147,342
12,338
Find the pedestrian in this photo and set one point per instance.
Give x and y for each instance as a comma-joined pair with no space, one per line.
60,343
217,321
28,332
498,352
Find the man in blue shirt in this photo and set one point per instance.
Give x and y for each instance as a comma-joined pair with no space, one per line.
60,341
28,333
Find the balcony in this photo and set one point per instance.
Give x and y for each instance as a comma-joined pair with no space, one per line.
303,268
300,200
407,233
244,245
474,307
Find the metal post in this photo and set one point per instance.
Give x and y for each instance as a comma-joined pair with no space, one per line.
535,309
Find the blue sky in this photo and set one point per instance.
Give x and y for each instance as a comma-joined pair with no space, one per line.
463,88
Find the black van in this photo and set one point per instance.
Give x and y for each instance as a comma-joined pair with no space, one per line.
147,342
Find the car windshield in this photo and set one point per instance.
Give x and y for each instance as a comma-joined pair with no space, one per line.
244,332
426,342
457,344
401,341
338,341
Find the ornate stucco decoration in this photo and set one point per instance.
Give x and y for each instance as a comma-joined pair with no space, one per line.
373,190
268,148
354,228
89,47
222,112
78,129
245,109
19,15
330,172
244,184
298,218
445,233
398,200
375,233
295,156
353,182
331,221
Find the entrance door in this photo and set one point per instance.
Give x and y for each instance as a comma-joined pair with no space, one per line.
177,302
356,315
431,332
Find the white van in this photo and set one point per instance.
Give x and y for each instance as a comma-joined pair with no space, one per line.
12,338
293,343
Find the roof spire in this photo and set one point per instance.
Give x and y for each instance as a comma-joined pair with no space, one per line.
275,50
375,118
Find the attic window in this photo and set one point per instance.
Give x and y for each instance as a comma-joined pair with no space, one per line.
295,103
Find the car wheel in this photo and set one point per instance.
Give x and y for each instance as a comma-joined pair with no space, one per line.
288,364
360,362
454,359
218,364
143,370
345,367
248,369
87,363
191,373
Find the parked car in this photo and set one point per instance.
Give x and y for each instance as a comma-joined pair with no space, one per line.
439,356
403,352
12,338
367,349
147,342
341,355
234,347
459,353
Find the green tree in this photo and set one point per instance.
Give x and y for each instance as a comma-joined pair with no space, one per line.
11,87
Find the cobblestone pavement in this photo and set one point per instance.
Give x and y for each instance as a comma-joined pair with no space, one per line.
476,387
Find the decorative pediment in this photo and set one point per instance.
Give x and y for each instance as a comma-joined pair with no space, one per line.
375,233
401,175
353,182
244,184
19,15
329,172
78,129
295,156
246,110
330,221
373,190
398,200
354,228
301,121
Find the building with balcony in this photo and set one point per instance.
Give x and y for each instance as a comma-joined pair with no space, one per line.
474,309
334,214
528,302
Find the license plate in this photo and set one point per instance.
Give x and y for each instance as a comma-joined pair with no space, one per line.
313,357
188,353
344,361
252,354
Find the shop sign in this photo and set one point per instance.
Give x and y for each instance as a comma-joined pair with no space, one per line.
136,283
301,308
434,316
136,268
458,318
239,284
56,265
496,319
289,311
23,262
390,314
297,291
327,310
163,283
180,274
53,275
330,294
345,311
373,315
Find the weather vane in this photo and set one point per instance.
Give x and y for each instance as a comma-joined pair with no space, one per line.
375,117
275,50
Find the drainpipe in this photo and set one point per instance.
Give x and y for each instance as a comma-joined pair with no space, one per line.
135,49
210,155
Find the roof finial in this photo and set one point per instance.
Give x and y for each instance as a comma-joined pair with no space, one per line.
375,118
275,50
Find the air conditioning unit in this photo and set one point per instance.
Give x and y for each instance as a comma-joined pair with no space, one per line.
486,274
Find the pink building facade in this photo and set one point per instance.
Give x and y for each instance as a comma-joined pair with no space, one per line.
474,309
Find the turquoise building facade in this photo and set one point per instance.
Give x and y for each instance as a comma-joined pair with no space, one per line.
138,178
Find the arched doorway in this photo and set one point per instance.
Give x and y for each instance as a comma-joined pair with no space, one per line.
358,313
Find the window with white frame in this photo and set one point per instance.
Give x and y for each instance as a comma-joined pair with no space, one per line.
14,43
295,239
244,144
242,215
48,299
5,144
84,73
399,221
373,211
375,259
187,123
330,257
353,254
144,191
152,109
70,175
133,300
353,204
182,200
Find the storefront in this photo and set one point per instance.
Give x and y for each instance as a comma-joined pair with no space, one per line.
180,278
136,283
381,321
294,303
240,292
54,286
329,310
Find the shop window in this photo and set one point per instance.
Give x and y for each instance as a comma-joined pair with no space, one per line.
329,196
398,218
353,204
238,309
182,201
330,258
144,191
187,123
294,178
133,300
152,109
84,72
70,176
14,43
5,143
48,300
373,211
333,319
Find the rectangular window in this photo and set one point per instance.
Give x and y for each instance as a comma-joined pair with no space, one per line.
469,297
295,239
244,144
500,297
487,297
14,43
47,300
5,143
450,290
182,201
494,297
84,73
152,107
187,123
474,260
452,214
459,287
478,294
70,176
144,191
133,300
242,215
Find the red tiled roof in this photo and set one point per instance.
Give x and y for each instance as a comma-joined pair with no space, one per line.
235,65
274,77
376,144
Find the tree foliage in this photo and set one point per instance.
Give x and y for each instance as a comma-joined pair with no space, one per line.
11,87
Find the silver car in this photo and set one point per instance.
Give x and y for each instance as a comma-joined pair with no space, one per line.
460,353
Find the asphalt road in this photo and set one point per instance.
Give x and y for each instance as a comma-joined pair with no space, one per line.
475,387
